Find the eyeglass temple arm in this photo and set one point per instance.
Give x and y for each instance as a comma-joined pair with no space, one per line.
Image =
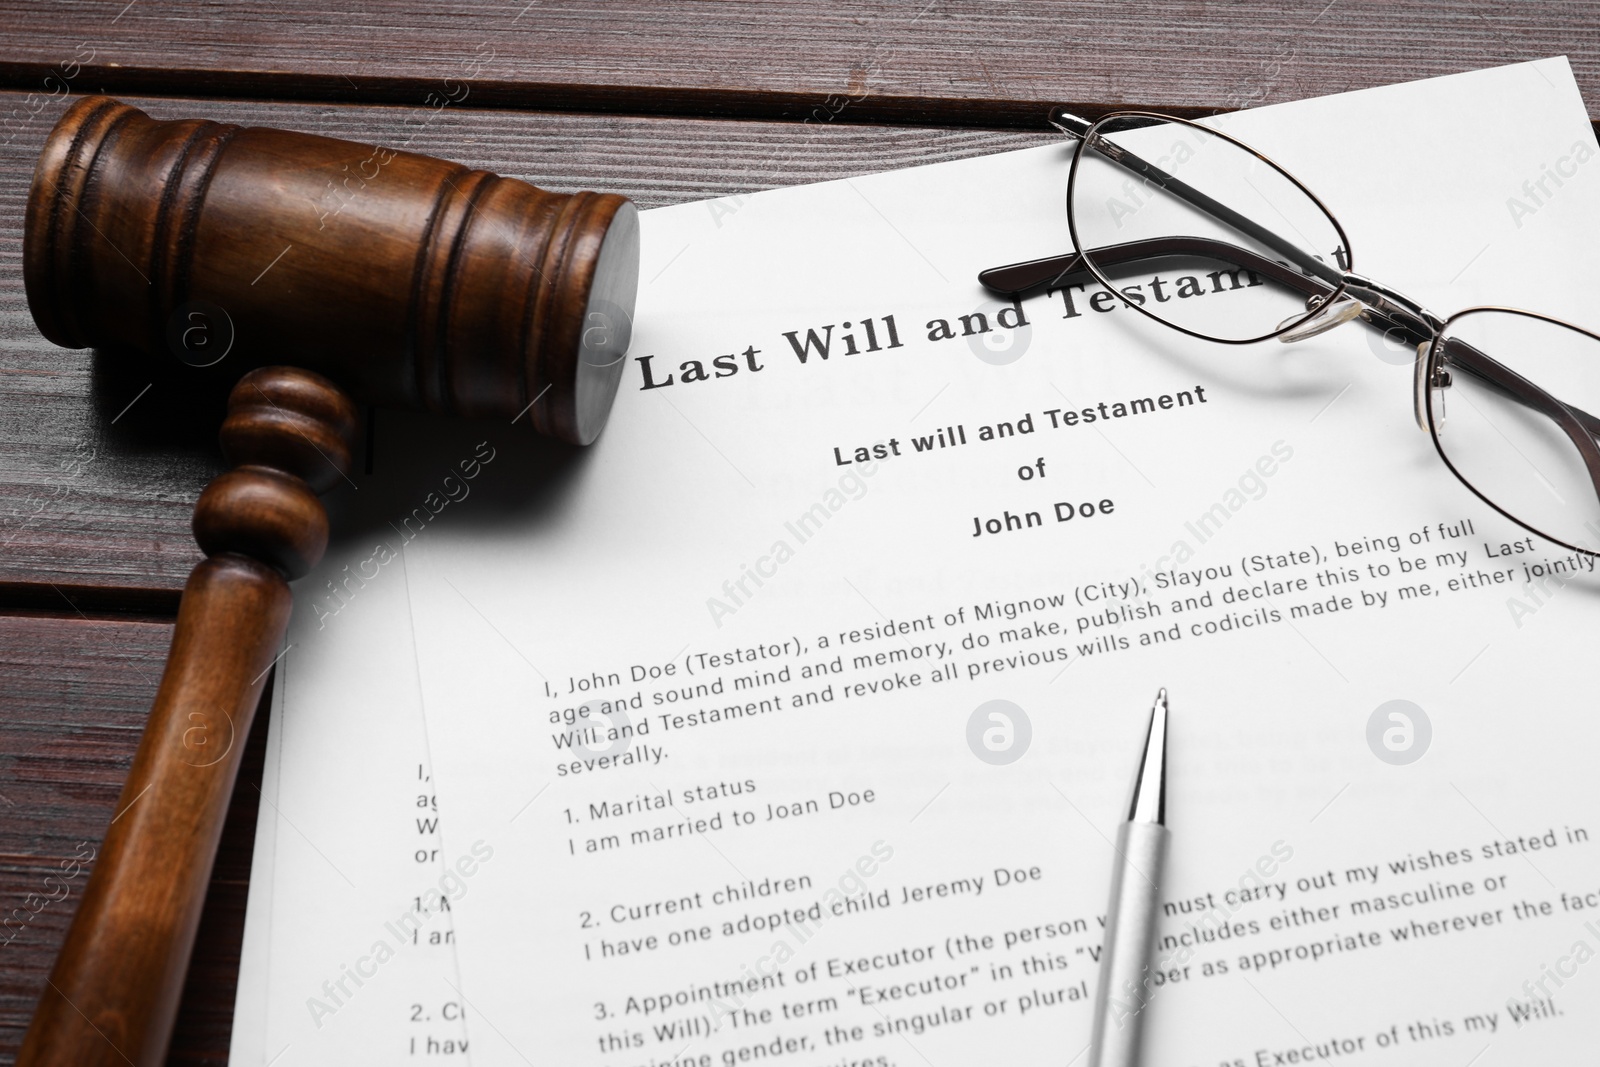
1055,272
1071,125
1052,272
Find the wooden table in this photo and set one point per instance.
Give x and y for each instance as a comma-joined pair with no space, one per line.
664,100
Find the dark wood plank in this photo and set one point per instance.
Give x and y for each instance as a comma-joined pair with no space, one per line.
918,61
95,500
73,698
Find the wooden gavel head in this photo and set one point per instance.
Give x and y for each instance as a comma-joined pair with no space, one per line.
410,281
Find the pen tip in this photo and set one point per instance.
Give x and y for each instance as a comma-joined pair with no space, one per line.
1150,786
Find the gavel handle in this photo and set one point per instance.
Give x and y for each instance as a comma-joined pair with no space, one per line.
114,992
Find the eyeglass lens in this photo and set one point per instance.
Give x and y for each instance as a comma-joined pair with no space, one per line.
1230,247
1512,416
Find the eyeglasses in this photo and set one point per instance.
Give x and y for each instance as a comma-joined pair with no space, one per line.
1244,252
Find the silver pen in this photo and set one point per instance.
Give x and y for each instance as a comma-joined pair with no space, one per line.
1135,902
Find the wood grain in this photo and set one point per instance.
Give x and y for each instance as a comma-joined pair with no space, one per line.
74,700
906,61
95,495
410,280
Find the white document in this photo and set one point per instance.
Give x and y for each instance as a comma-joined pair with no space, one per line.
347,840
814,854
774,836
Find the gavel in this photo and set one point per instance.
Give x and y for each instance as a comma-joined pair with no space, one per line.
323,272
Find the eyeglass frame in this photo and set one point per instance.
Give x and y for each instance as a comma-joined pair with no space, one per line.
1376,304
